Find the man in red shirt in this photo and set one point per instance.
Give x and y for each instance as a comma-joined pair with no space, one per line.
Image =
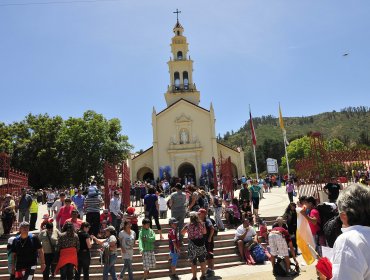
75,220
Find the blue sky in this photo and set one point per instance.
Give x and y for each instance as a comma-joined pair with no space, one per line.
111,57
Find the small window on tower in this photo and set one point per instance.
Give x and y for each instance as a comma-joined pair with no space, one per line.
186,79
178,33
179,55
177,80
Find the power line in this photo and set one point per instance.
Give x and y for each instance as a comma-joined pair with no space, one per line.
56,2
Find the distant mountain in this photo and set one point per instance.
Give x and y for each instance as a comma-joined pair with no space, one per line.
351,126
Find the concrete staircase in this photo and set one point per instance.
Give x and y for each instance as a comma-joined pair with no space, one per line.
225,256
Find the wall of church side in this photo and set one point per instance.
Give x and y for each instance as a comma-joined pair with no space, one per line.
196,124
142,161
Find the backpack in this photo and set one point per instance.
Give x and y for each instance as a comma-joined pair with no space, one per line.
326,212
332,229
258,254
215,226
280,269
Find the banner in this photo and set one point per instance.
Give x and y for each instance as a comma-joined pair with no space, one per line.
305,238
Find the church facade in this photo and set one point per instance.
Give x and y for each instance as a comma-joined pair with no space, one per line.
184,135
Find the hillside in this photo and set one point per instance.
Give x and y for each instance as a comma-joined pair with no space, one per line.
351,126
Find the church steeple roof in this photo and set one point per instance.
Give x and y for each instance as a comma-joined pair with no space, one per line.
181,70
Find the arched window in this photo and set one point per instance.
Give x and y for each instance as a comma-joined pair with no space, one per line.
179,55
186,79
178,33
177,80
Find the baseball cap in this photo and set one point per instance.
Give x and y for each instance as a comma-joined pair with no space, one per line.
45,216
172,221
110,228
130,210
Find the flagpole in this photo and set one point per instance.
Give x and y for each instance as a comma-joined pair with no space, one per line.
286,153
254,142
255,161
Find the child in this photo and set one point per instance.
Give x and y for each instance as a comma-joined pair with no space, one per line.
132,218
162,206
174,245
45,220
127,238
146,247
262,236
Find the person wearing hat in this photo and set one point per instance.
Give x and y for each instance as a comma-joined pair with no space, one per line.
177,203
324,269
174,244
65,212
110,246
26,248
8,213
24,205
45,220
132,218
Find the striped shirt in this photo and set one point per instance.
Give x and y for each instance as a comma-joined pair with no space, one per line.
92,204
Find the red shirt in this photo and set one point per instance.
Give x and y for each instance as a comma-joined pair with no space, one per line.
107,217
173,239
76,224
283,232
64,214
314,228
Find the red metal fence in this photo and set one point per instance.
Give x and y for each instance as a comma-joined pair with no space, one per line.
321,165
11,180
117,177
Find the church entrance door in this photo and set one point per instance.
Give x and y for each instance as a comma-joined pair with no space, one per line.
186,173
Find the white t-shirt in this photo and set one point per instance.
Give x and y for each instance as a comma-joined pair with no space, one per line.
162,204
241,230
50,198
127,243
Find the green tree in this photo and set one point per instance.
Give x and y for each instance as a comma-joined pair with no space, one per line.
297,149
87,142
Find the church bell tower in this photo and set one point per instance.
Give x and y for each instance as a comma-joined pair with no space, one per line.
181,70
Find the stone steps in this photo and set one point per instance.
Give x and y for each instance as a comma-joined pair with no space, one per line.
225,256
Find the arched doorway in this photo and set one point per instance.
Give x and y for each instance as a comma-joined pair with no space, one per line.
234,170
145,174
186,170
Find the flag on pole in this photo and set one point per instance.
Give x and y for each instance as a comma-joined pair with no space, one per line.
281,121
254,139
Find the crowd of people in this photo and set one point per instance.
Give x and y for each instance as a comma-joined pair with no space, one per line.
76,219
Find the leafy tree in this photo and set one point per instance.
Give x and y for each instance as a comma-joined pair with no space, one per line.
87,142
297,149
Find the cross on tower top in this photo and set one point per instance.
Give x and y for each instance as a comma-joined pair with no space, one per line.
177,14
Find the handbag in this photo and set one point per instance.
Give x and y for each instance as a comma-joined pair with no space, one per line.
53,251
